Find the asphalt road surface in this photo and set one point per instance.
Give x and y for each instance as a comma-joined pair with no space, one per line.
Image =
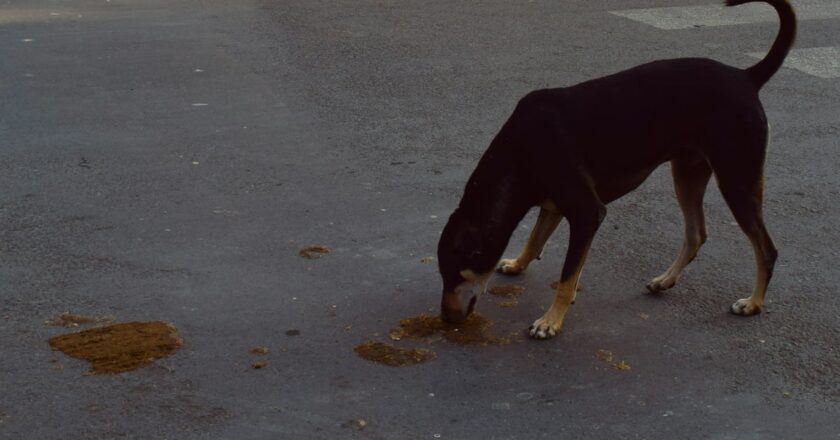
166,160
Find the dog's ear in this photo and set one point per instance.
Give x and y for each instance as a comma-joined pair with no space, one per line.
460,246
469,242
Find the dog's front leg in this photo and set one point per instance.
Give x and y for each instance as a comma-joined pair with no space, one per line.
547,222
583,224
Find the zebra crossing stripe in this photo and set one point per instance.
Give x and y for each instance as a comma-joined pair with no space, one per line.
822,62
686,17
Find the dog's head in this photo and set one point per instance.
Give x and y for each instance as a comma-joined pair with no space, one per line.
462,268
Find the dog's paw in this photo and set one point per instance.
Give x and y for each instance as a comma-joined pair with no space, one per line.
745,307
510,267
661,283
545,328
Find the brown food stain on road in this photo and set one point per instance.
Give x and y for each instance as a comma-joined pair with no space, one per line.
475,330
506,290
394,356
314,252
120,347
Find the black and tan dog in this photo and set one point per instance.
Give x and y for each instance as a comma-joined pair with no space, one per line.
572,150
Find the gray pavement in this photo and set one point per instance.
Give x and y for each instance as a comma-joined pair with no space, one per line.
165,160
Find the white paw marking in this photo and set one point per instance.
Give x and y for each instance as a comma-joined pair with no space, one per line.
510,267
745,307
660,283
543,328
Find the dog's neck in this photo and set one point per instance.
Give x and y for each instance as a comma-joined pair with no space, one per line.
495,200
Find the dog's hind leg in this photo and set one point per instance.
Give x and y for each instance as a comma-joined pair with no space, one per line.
691,176
547,222
745,202
740,176
584,219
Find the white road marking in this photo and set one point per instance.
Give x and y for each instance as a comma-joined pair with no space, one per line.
822,62
686,17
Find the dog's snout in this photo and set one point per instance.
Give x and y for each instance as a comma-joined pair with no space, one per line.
452,316
452,308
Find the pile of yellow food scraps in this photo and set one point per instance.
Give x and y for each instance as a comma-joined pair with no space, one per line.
120,347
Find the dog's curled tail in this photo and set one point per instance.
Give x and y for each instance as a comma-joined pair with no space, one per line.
761,72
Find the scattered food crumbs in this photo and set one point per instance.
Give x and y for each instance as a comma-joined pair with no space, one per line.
348,328
118,348
195,162
292,332
57,365
199,104
314,252
621,365
396,334
260,349
393,356
604,355
73,320
607,356
475,330
259,365
508,290
787,394
427,260
359,424
644,315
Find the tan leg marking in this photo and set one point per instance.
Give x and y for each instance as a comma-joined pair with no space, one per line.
551,322
547,222
746,207
764,261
